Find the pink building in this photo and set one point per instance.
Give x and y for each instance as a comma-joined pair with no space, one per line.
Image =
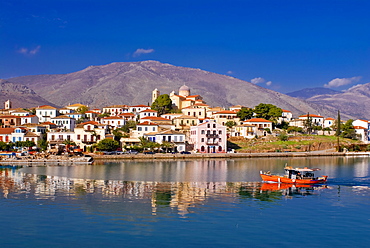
208,137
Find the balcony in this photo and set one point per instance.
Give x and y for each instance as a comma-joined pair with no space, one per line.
88,142
212,142
212,136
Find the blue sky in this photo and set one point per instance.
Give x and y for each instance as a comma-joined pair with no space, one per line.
280,45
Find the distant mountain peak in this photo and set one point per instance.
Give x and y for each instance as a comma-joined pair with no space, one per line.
311,92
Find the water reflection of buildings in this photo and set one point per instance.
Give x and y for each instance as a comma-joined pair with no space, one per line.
181,196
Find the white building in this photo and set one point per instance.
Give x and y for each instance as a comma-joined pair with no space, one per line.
65,122
45,113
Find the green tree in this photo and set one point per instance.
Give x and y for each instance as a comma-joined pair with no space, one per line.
128,125
107,145
244,114
82,110
308,125
348,130
43,144
230,124
117,134
4,146
338,131
268,112
104,115
162,104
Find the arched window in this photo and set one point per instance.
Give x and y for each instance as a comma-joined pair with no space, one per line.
202,149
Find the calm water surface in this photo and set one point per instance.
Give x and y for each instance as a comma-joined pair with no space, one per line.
210,203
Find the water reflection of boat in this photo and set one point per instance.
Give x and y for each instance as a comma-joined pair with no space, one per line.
295,176
289,189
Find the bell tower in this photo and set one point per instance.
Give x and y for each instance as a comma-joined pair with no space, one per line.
155,94
8,104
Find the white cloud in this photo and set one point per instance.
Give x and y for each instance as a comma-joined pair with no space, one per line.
27,51
268,83
258,80
141,51
230,72
341,81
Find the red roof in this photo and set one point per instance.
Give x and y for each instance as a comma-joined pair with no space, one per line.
6,130
91,122
148,110
146,123
154,118
287,110
358,127
141,106
112,117
310,115
226,112
257,120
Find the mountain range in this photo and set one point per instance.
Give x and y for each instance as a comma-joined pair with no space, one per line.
311,92
132,83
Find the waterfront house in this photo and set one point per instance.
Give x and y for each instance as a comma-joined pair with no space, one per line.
10,121
184,122
224,116
113,122
89,133
65,122
137,108
208,137
328,122
247,131
195,111
148,113
115,110
317,120
144,128
29,119
6,133
46,112
176,139
262,125
286,116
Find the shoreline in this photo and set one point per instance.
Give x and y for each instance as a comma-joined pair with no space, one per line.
91,158
224,155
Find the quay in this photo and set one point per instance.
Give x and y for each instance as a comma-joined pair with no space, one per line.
225,155
43,161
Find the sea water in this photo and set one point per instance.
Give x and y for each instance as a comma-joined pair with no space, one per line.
185,203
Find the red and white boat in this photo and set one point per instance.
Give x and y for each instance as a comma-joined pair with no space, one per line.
295,175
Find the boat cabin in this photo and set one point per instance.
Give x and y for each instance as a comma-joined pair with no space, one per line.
300,173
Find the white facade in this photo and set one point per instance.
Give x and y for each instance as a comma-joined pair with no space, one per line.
65,122
45,113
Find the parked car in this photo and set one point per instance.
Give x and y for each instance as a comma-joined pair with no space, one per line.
131,152
148,152
185,152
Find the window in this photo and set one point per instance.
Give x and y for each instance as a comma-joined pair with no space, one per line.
220,132
78,137
202,140
214,125
138,128
202,132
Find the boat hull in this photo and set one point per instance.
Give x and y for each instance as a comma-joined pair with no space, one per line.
281,179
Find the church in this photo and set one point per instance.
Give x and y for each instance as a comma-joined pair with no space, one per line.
181,100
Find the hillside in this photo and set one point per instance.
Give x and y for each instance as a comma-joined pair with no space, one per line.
20,95
133,82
